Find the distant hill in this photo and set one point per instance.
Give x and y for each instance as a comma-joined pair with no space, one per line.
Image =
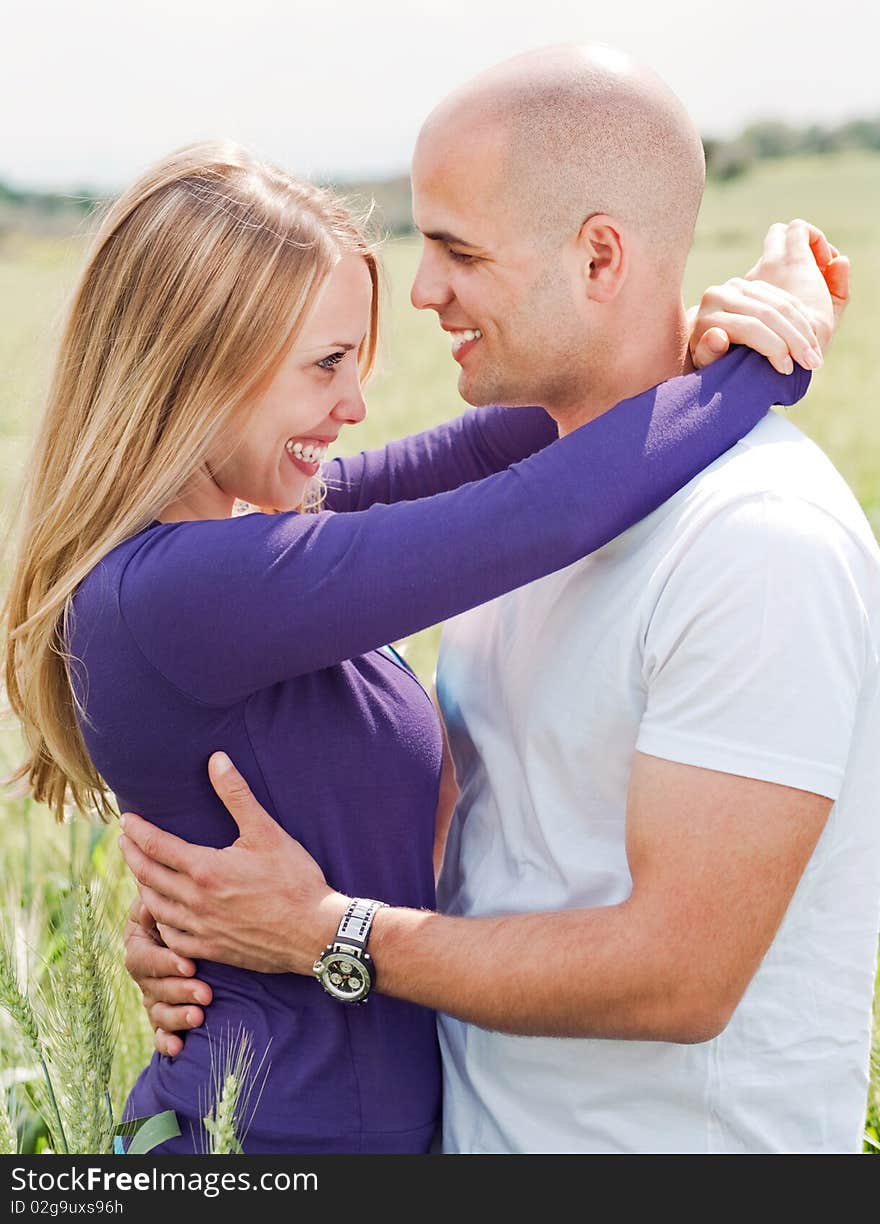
387,201
44,212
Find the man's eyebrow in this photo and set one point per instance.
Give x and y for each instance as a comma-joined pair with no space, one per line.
445,236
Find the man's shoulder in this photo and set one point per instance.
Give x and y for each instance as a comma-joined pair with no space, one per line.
773,509
799,489
775,457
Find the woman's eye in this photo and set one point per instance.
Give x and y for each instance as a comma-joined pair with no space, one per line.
327,363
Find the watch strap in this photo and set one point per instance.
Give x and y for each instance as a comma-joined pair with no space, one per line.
354,928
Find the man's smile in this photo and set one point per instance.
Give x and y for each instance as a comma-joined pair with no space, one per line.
463,341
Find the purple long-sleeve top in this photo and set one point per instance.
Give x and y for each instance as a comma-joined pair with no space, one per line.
262,635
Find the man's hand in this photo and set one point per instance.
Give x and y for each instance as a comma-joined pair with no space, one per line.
261,903
786,307
170,992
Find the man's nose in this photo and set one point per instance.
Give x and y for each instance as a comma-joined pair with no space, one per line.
430,288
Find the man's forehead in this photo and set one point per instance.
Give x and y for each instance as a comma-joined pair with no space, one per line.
457,187
441,212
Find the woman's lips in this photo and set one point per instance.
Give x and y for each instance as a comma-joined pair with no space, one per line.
308,469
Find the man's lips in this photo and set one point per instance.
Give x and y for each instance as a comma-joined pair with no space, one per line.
461,351
463,339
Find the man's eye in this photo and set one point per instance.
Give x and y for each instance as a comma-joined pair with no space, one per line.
459,256
327,363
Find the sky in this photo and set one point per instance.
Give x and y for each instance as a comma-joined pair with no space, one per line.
93,91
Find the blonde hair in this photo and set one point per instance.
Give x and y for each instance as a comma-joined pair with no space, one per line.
197,282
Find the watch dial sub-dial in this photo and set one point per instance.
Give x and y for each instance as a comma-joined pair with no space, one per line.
347,977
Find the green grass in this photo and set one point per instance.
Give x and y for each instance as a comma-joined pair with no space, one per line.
841,195
415,388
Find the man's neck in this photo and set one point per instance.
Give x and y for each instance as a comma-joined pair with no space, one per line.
653,359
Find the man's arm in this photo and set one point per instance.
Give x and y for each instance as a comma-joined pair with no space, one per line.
714,861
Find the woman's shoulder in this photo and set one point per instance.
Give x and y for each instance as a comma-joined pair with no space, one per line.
189,536
186,559
98,590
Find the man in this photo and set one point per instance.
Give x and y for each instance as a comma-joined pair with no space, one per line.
662,878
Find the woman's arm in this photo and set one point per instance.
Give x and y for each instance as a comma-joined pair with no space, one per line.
226,607
474,445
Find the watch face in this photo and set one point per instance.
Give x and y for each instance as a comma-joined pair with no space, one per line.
345,977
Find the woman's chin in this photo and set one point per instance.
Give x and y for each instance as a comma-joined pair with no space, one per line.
279,497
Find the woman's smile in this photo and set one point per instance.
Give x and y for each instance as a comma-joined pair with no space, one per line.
306,455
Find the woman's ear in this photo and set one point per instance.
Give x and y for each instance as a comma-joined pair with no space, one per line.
602,248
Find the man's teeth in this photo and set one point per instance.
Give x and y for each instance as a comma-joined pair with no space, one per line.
464,337
311,452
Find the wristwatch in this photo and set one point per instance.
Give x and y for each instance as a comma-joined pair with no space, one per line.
345,968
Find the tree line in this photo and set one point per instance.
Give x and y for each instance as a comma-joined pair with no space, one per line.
773,138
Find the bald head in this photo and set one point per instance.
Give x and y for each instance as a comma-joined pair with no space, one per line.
579,130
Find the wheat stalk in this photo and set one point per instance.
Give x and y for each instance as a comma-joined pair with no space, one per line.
80,1026
221,1128
8,1137
234,1082
16,1002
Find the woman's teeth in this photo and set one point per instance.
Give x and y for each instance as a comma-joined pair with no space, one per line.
310,452
464,337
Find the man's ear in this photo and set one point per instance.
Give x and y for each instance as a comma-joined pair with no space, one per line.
603,253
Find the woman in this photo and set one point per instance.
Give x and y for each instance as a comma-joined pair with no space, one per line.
216,345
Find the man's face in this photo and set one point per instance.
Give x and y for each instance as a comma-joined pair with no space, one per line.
485,270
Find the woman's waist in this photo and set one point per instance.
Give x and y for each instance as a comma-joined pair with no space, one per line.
278,1005
305,1062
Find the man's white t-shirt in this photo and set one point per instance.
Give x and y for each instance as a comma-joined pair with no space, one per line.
737,628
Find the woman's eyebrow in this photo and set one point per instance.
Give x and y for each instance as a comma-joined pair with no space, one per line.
337,344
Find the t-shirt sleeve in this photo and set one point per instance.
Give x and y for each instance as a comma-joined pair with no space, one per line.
756,649
476,444
225,607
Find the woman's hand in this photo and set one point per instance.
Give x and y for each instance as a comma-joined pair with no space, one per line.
786,307
261,903
169,991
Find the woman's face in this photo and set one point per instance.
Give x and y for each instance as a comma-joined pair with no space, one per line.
315,391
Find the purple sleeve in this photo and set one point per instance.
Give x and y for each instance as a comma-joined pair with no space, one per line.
226,607
474,445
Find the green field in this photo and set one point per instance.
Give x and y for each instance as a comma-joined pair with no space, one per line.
416,387
416,383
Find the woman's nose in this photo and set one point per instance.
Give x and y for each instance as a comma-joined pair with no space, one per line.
351,408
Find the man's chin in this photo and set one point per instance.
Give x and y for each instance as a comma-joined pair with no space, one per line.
482,396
